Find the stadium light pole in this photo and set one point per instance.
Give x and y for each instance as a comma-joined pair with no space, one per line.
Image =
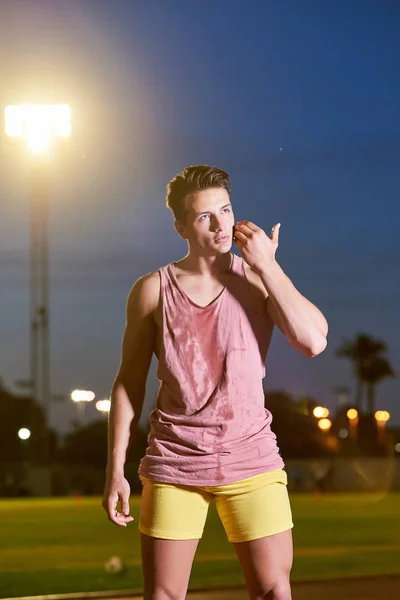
39,125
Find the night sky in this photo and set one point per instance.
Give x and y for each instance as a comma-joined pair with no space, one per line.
298,101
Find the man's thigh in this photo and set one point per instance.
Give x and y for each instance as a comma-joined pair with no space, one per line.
255,508
173,512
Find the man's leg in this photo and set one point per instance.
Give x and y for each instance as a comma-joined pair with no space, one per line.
167,566
257,518
171,523
266,564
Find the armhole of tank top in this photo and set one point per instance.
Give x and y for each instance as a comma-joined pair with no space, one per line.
162,285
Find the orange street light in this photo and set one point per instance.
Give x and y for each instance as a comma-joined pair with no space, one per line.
352,415
382,417
325,424
320,412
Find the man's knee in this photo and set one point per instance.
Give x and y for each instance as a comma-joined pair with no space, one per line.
281,590
278,589
162,593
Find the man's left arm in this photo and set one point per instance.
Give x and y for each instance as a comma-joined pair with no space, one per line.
300,321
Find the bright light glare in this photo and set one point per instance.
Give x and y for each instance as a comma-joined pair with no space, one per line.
382,416
397,447
82,396
103,405
325,424
24,433
38,124
352,414
320,412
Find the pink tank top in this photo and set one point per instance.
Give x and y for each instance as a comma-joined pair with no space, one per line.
210,426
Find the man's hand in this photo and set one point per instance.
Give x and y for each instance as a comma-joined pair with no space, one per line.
257,249
116,490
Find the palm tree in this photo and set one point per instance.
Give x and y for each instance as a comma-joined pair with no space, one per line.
373,372
362,351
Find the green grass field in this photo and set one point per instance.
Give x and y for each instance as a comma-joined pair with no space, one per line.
60,545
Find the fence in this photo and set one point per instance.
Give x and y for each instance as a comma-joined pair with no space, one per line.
344,474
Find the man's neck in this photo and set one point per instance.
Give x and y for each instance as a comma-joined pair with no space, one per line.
201,267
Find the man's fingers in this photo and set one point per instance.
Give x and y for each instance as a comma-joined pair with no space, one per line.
124,518
118,521
125,506
275,232
119,518
245,229
249,225
112,508
112,504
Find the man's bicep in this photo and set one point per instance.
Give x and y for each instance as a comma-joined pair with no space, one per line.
273,314
139,335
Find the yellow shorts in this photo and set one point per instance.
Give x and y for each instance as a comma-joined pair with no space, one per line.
249,509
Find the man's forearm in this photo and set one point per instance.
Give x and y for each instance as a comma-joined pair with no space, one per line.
122,425
302,322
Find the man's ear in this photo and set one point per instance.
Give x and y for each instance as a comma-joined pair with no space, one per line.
180,229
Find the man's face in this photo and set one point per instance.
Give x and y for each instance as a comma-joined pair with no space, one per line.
209,217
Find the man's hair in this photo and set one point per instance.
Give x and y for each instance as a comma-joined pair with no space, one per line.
193,179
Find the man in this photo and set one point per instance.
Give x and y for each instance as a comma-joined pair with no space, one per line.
208,318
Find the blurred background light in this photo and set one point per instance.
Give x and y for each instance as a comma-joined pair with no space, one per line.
24,433
325,424
103,405
382,416
320,412
38,124
82,396
352,414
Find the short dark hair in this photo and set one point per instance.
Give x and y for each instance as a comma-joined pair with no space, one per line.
193,179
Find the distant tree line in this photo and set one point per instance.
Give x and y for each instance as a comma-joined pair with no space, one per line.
79,461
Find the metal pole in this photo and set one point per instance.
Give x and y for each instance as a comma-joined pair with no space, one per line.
34,300
44,307
40,346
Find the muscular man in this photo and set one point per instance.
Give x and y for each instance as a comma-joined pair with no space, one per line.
208,318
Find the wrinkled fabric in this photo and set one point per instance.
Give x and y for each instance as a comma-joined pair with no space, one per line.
209,425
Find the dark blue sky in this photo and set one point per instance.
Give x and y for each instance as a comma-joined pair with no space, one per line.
299,101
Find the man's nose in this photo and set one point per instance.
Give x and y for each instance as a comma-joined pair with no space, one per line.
218,223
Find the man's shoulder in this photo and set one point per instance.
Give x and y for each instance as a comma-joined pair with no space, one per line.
146,290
